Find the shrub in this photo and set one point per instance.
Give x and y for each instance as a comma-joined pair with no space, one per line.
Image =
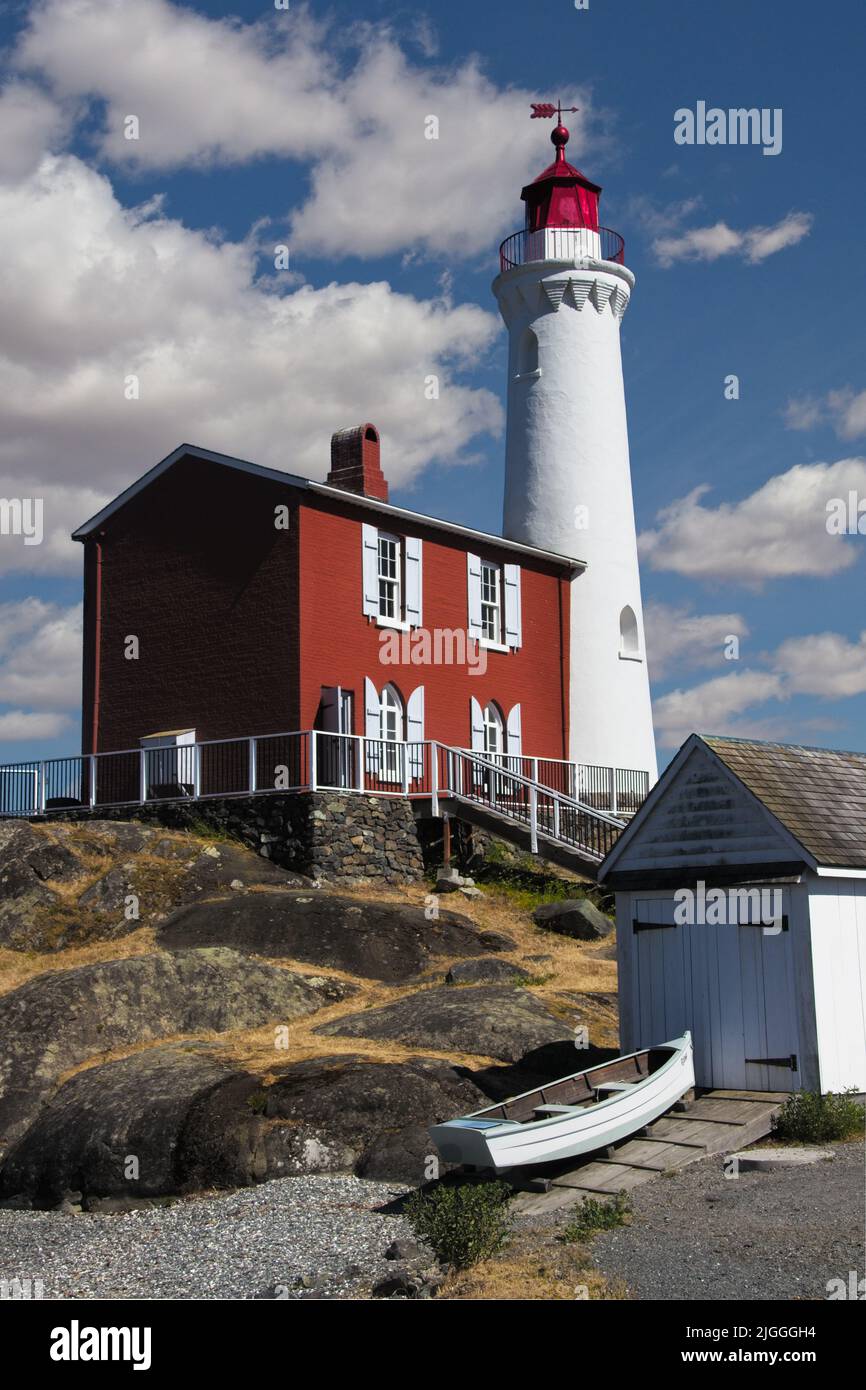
461,1223
813,1119
592,1216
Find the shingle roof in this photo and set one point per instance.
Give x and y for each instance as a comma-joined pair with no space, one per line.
819,794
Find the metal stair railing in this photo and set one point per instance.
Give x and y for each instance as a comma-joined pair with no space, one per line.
482,781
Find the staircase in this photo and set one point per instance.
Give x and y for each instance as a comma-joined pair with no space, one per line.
526,812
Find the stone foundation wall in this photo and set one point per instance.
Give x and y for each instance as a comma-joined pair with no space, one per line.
323,834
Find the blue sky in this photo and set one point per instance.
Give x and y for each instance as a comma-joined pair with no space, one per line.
259,127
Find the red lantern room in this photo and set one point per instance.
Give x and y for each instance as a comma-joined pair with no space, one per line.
561,196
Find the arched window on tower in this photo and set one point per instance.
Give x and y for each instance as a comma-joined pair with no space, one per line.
527,356
629,645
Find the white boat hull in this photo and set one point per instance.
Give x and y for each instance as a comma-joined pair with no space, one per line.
489,1143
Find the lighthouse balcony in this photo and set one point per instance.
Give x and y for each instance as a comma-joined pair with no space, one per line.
566,244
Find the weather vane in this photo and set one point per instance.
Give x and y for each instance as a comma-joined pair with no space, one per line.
547,109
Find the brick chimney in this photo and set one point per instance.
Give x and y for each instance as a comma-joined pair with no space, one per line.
355,462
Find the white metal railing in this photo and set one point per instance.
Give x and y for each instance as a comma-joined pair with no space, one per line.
571,803
503,789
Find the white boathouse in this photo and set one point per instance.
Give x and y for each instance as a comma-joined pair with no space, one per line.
741,915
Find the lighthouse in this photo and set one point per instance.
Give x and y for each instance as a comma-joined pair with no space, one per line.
562,290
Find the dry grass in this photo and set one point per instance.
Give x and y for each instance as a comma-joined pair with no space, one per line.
540,1275
572,968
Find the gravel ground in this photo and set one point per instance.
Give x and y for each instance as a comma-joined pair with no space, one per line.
234,1245
700,1235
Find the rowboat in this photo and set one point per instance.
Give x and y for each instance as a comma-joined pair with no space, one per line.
575,1115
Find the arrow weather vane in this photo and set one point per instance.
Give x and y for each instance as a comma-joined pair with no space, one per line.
547,109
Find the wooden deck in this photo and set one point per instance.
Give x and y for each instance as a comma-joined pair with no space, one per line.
717,1122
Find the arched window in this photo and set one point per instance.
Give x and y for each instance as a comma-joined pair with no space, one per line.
628,638
527,356
392,729
494,740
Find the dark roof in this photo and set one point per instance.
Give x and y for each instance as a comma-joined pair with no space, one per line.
819,794
257,470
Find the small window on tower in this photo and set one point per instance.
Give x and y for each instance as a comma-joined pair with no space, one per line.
527,358
629,645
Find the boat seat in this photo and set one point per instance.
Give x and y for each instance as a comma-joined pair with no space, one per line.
613,1086
555,1109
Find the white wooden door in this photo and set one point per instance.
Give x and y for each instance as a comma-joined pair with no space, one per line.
731,985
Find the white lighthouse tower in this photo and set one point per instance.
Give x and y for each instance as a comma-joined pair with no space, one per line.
562,291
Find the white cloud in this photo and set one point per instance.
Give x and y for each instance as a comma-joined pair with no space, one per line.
754,244
714,707
40,655
803,413
17,725
30,123
209,91
848,409
63,508
824,663
224,360
677,637
777,531
845,409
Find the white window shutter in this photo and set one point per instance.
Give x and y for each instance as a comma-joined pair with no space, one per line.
513,624
514,743
372,727
370,569
477,722
413,582
473,579
415,731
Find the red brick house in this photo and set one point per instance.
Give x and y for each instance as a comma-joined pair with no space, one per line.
223,599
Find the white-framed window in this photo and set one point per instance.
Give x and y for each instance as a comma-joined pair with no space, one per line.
391,578
391,731
491,602
494,606
494,733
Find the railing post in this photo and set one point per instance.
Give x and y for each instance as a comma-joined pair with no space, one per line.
361,746
313,770
533,818
556,817
91,790
253,770
405,768
41,790
142,775
434,778
613,791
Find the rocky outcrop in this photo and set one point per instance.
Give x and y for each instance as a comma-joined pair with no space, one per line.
62,1018
486,970
575,917
488,1020
179,1118
69,883
377,940
370,1117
